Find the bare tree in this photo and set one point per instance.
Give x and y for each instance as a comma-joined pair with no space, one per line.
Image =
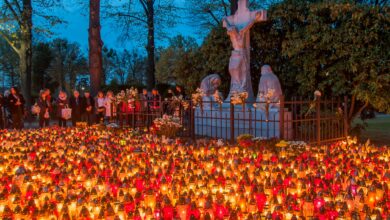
209,13
16,28
67,64
144,19
95,46
9,62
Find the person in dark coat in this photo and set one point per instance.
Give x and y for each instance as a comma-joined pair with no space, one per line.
44,112
155,100
62,102
88,108
49,99
76,104
2,112
16,108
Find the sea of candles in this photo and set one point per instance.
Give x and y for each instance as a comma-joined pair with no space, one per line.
108,173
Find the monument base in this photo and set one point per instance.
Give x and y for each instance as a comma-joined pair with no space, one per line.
220,122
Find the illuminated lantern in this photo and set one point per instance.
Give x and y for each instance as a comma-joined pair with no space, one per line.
182,211
371,198
168,212
242,204
150,200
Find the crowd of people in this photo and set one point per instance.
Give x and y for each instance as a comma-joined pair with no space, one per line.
84,107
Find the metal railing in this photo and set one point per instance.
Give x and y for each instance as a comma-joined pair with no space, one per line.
313,121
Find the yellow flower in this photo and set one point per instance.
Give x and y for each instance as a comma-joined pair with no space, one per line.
282,143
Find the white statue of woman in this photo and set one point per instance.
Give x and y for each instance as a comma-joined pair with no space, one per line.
270,89
209,86
238,26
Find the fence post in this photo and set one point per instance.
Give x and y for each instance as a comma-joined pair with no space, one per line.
346,125
318,119
231,123
281,117
192,120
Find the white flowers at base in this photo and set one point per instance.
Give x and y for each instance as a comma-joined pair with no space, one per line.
317,93
197,97
238,98
217,97
167,121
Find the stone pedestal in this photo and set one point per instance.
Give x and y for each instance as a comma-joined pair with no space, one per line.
220,122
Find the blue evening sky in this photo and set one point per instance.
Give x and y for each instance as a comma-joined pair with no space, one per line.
76,28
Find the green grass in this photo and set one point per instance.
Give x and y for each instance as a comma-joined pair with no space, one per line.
378,130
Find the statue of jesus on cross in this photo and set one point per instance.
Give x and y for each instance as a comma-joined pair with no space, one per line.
238,26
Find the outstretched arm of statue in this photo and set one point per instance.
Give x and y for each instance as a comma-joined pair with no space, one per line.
260,16
231,29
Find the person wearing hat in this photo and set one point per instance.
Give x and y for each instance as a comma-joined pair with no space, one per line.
88,108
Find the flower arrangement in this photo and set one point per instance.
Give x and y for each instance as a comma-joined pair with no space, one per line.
238,98
312,106
120,97
197,97
178,101
35,109
218,97
167,125
128,95
266,97
245,140
132,94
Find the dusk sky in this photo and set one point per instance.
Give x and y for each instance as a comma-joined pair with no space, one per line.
76,28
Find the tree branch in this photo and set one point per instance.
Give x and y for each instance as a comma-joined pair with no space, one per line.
130,16
225,7
352,108
15,15
9,41
18,6
144,6
213,16
362,108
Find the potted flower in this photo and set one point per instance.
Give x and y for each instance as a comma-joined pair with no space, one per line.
245,140
197,98
239,98
167,125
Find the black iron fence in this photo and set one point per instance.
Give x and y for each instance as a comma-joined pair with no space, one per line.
313,121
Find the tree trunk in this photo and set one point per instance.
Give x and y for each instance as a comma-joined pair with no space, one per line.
95,46
150,72
233,6
25,52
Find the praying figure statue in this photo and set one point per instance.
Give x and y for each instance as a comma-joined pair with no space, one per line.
210,84
238,27
270,89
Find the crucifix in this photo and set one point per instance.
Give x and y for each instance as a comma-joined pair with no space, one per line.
238,28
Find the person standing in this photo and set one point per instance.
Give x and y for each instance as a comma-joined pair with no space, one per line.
88,108
76,105
49,99
62,103
144,100
16,108
44,110
110,105
155,100
100,105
